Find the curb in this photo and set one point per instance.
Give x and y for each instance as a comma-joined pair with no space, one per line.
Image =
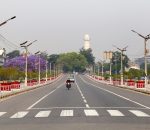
123,87
12,93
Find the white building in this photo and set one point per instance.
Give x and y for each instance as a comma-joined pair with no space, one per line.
86,42
132,65
2,55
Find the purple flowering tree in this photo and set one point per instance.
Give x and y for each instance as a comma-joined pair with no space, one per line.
33,63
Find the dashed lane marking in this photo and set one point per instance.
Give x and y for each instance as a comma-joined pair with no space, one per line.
115,94
85,101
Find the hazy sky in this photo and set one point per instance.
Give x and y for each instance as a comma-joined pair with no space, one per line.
59,25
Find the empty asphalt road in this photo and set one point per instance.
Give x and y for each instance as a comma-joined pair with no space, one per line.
88,105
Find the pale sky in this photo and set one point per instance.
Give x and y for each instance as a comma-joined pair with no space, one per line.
59,25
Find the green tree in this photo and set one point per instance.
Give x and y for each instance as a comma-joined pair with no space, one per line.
88,55
52,59
116,62
10,74
142,66
134,73
72,62
13,54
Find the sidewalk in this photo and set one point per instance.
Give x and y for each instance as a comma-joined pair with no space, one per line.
4,94
145,90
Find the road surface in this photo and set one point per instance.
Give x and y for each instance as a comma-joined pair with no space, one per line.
88,105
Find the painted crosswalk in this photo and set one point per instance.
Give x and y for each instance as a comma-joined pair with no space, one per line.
43,114
139,113
72,113
19,114
66,113
115,113
91,113
2,113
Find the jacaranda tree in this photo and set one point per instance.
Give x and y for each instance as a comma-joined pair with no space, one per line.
33,63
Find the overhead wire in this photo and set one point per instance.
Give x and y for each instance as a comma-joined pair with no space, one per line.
7,44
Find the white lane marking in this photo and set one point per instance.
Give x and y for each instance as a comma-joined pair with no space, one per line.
85,101
43,114
116,94
82,95
91,113
43,97
87,105
2,113
19,114
66,113
115,113
139,113
90,107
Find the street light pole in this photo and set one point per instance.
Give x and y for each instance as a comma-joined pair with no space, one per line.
102,70
50,70
26,59
7,20
108,55
39,77
46,70
121,73
98,69
146,38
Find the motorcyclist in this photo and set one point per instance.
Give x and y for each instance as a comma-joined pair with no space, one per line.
68,83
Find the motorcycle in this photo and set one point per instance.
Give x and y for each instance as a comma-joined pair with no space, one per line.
68,84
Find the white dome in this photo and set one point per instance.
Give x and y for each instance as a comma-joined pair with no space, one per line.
86,37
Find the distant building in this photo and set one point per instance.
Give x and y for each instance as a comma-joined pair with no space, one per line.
2,56
132,65
86,42
140,61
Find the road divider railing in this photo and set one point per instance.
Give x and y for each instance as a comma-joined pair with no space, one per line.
12,88
15,85
130,83
5,86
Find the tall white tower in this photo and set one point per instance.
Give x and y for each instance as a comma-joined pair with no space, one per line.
86,42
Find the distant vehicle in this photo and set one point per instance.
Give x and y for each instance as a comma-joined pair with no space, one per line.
72,80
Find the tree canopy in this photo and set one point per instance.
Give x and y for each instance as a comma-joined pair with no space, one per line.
72,62
88,55
13,54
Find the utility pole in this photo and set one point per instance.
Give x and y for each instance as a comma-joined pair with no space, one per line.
146,38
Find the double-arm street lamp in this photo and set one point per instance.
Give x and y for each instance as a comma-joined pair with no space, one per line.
26,65
39,63
121,50
7,20
108,55
146,38
102,69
